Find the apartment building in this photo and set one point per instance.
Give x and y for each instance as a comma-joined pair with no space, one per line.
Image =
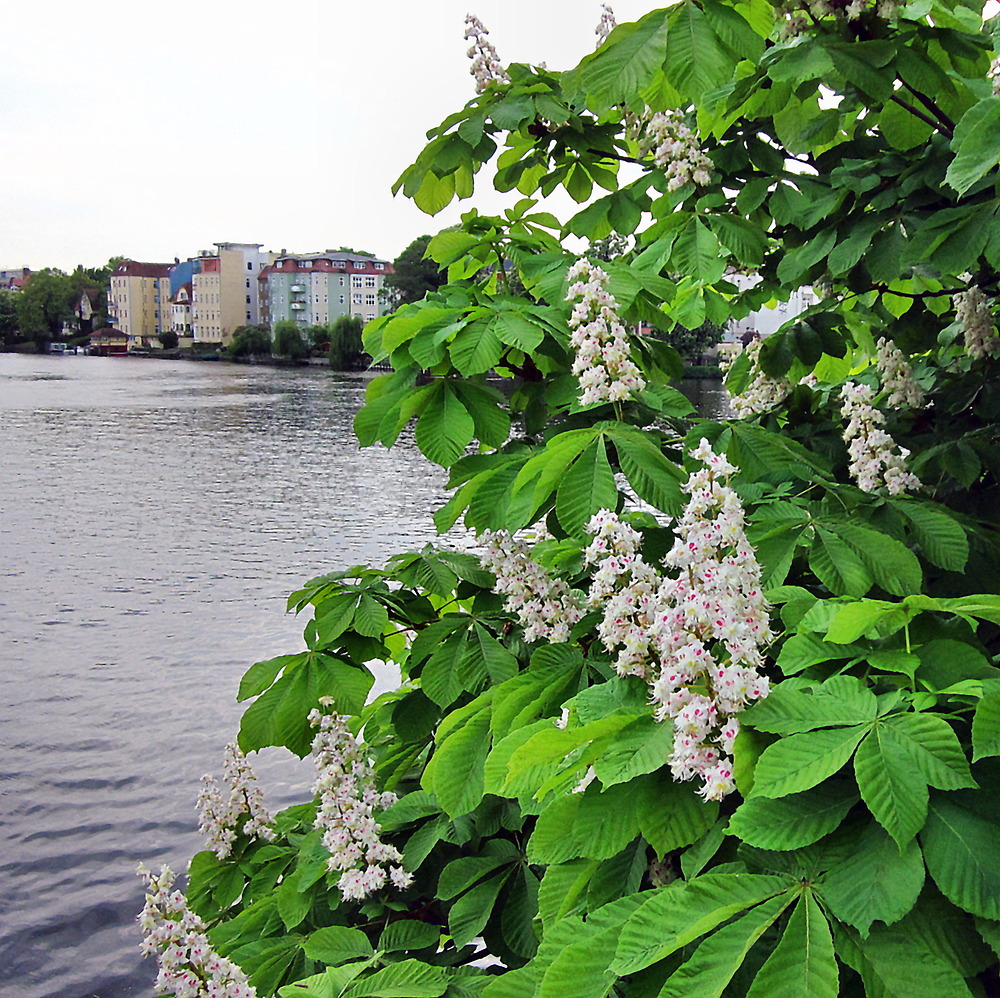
139,301
317,288
225,290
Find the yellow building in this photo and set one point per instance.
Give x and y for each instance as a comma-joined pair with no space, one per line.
224,291
139,302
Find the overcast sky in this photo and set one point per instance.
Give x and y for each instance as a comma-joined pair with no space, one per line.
154,130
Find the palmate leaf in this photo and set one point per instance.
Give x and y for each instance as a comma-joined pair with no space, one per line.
891,564
707,973
839,701
470,913
941,538
891,785
907,968
986,728
878,881
799,762
803,964
962,853
652,476
976,144
931,744
406,979
279,716
672,815
628,61
837,566
794,821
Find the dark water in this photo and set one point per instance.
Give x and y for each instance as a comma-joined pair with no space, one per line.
153,517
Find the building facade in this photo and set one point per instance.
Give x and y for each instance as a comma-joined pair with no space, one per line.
225,291
139,301
314,289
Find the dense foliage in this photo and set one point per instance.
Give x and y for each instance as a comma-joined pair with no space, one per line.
545,846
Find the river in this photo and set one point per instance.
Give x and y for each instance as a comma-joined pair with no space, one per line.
155,514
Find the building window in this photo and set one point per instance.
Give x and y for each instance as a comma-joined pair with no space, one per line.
358,265
356,299
249,266
369,299
248,282
248,299
343,299
356,282
370,316
341,280
379,266
369,282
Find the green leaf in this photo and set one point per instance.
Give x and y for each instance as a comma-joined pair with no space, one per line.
261,675
293,904
932,745
626,63
837,566
672,815
460,874
455,772
840,700
445,427
279,716
714,963
986,728
371,617
653,477
676,915
589,825
406,979
803,964
337,944
891,564
470,913
907,968
476,348
794,821
409,934
564,888
641,747
696,251
891,785
962,852
587,487
878,881
941,538
976,144
799,762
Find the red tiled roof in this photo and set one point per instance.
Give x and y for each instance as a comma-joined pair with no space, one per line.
131,268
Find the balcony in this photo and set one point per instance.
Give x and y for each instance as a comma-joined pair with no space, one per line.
298,304
298,288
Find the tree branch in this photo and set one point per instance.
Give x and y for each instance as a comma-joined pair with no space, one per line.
947,125
936,125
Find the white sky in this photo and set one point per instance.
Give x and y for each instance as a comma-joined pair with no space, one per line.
152,131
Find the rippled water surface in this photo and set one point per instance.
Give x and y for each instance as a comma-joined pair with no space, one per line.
154,516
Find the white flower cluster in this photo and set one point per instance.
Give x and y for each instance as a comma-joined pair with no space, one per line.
486,66
545,606
800,16
345,785
973,311
707,623
603,362
762,392
219,819
876,460
606,25
626,587
897,375
189,966
676,150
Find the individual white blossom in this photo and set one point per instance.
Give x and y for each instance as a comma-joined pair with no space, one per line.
897,375
486,66
762,392
676,150
189,965
545,606
876,460
973,311
603,362
345,785
607,24
702,629
220,819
